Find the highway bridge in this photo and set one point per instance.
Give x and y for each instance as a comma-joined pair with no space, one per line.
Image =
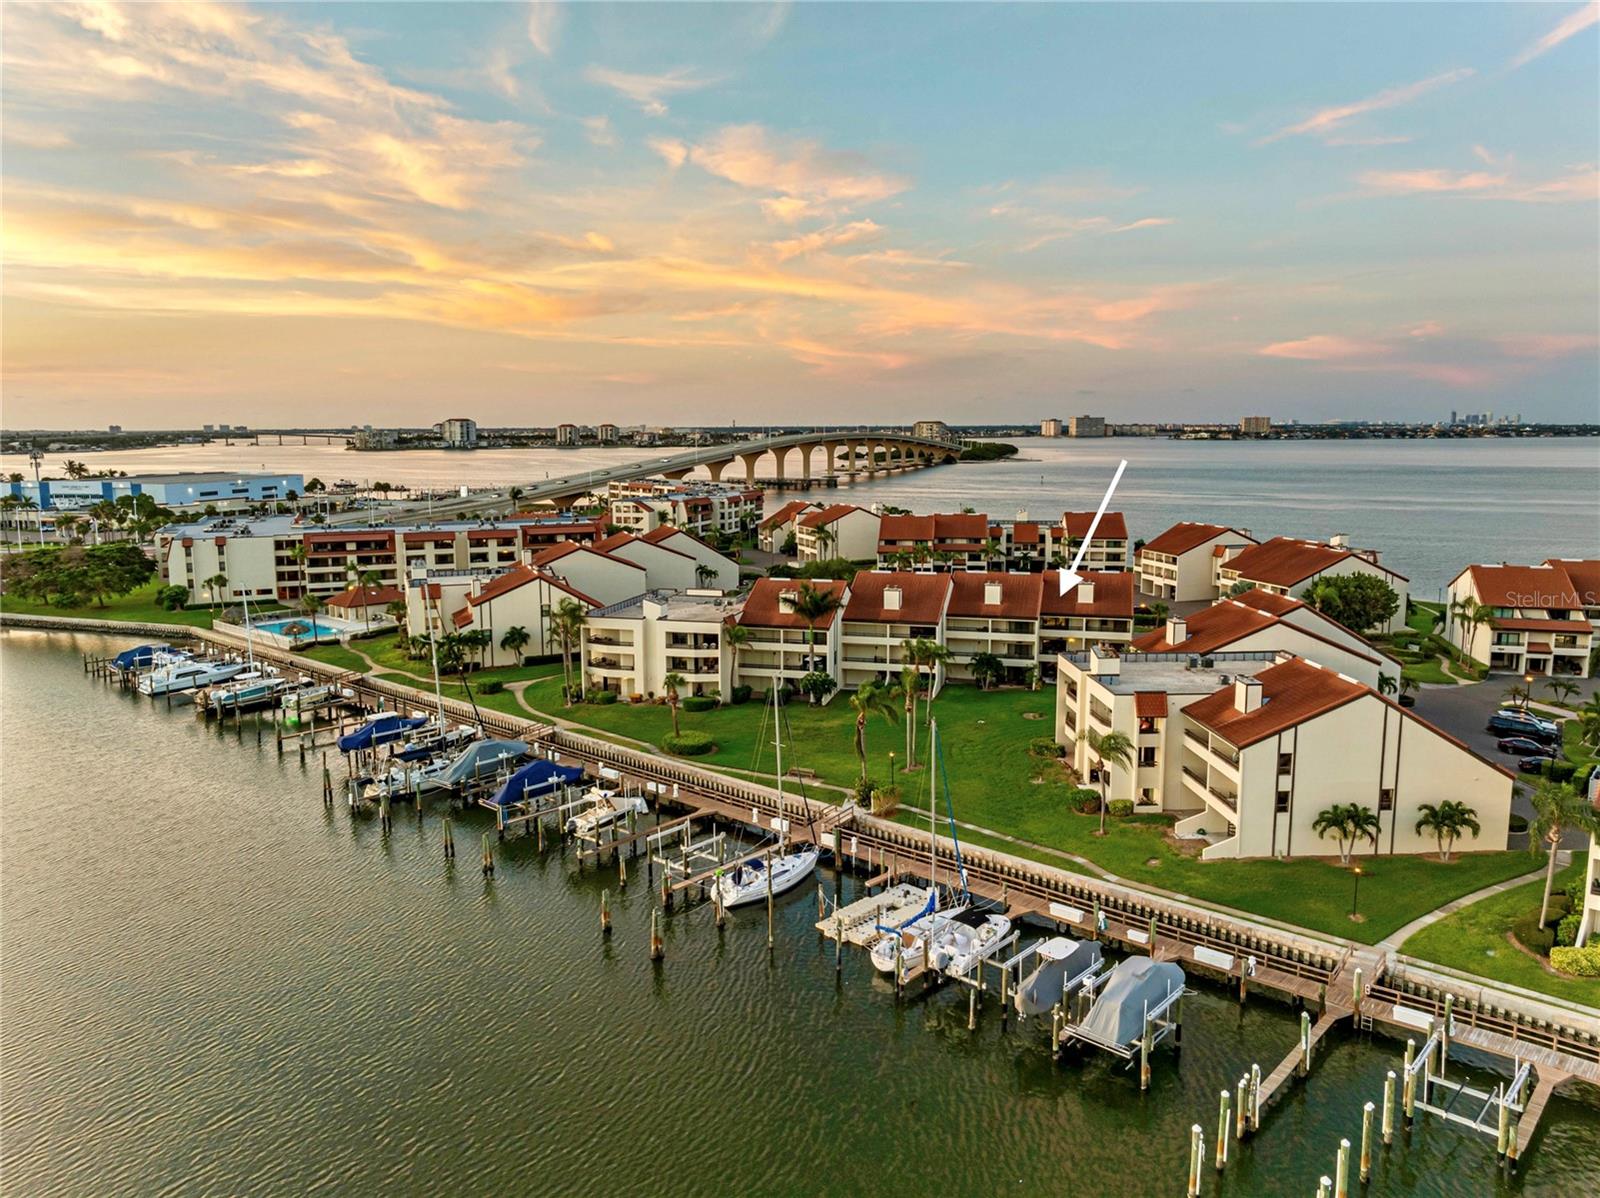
813,454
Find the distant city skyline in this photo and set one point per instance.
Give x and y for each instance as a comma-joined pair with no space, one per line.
333,215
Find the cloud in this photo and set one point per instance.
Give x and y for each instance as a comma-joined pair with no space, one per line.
672,151
809,179
810,243
1323,347
544,26
1548,346
599,131
648,91
1324,121
1410,182
1573,23
1423,353
1580,183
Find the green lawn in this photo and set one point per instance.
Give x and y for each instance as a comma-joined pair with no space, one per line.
386,652
1474,940
137,606
998,786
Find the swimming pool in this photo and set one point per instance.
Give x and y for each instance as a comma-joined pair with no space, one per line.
298,629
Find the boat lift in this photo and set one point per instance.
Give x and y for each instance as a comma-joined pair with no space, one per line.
1159,1021
1498,1113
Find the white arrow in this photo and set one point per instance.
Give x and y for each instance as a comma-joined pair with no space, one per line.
1070,576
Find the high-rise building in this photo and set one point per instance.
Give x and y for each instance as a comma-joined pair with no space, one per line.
1255,426
936,430
114,429
566,435
1086,426
1050,427
459,433
606,434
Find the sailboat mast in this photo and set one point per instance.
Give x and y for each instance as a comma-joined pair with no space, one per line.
933,827
249,634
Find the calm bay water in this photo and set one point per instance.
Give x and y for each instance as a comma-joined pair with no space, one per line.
1430,506
210,984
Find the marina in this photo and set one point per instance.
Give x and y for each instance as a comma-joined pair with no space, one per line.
699,821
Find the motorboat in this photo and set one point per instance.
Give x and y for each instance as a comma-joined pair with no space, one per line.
1064,965
1138,988
430,740
535,780
747,882
143,657
379,729
308,697
250,689
188,675
605,808
485,758
912,936
962,944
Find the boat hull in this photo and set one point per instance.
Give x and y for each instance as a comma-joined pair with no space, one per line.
788,871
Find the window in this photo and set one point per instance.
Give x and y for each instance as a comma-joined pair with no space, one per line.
1147,755
1147,795
1386,799
1282,805
1286,763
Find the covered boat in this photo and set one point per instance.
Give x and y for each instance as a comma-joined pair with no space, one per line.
1136,986
140,657
485,757
379,730
1062,961
535,779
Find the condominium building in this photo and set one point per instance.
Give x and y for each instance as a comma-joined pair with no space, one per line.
606,434
602,576
702,509
566,435
438,604
1246,749
1255,426
1107,549
957,541
1286,566
1585,576
187,489
1539,621
458,433
998,614
1180,565
936,430
886,609
1260,622
783,647
840,530
1086,426
1050,427
631,647
775,530
1098,611
672,568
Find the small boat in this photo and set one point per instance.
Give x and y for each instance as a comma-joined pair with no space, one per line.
380,729
486,757
310,697
747,883
536,779
605,808
1135,989
912,936
250,689
1063,966
430,741
962,944
188,675
403,781
142,657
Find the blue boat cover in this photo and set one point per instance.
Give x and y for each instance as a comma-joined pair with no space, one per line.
537,778
378,731
139,655
485,757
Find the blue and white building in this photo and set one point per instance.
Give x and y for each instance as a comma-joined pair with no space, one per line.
187,489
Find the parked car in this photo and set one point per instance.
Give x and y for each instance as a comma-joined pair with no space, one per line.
1532,765
1523,746
1516,723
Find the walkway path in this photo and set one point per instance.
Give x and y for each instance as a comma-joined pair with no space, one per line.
1392,943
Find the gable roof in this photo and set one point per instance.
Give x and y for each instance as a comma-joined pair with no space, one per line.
763,609
1187,535
1585,576
1113,595
828,515
786,513
617,542
519,576
666,532
566,549
1020,594
923,597
1112,526
1530,587
379,596
965,527
1207,630
1292,692
1284,561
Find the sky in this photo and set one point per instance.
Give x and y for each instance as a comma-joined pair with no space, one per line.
797,213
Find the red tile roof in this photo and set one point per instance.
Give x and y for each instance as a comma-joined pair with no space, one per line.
615,541
1292,692
520,576
1025,533
367,597
965,527
923,597
1113,595
1585,576
462,617
566,549
786,513
1207,630
828,515
1521,624
1150,705
1184,536
1270,601
429,538
1112,526
1284,561
1539,647
1528,587
1020,594
763,610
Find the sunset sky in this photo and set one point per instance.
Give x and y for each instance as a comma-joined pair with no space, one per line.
326,214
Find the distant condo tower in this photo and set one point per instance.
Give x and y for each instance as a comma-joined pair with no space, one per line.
1050,427
1255,426
1086,426
606,434
458,433
566,435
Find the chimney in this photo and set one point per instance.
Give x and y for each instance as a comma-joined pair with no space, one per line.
991,594
1247,693
1339,540
1085,592
1022,515
1177,630
891,598
786,601
1103,662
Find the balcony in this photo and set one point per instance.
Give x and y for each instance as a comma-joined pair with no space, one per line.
609,638
1099,714
1227,798
1195,781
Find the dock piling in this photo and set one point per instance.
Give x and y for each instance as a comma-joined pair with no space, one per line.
1197,1149
1255,1098
1223,1119
1408,1098
1325,1186
1341,1171
1366,1143
449,841
657,951
605,913
1241,1115
488,856
1388,1108
1305,1044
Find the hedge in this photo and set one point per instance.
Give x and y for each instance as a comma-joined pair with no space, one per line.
1121,806
688,744
602,698
740,694
699,703
1580,962
1044,746
492,687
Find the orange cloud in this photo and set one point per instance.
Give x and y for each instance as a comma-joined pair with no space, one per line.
1325,120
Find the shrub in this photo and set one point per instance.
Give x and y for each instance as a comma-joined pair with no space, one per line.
1085,799
1518,823
740,694
602,698
172,598
698,703
1043,746
1567,929
688,744
1121,807
1560,770
492,687
1580,962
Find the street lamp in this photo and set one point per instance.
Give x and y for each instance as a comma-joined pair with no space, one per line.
37,459
1355,894
891,765
1527,689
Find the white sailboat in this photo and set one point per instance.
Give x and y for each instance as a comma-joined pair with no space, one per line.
606,807
913,937
750,882
962,943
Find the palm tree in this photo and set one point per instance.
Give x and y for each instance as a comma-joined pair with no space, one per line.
1557,809
813,605
670,684
869,698
987,670
1113,748
215,584
311,605
516,639
1460,616
704,575
516,497
1589,720
367,580
1348,823
1517,695
910,685
826,540
565,628
1447,821
991,550
297,552
1562,689
933,655
1387,684
736,636
1160,611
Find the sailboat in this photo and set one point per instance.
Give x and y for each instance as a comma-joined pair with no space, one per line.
779,871
605,808
252,688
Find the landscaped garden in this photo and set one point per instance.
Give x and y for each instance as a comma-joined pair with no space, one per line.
138,606
1424,655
